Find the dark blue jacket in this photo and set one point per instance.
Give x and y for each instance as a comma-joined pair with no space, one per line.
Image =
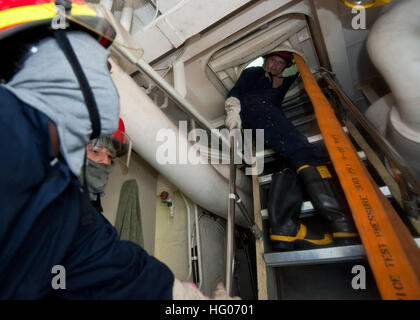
253,81
261,109
45,220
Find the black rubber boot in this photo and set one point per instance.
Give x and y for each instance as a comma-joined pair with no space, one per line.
284,204
329,203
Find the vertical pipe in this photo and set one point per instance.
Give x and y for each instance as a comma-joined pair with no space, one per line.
197,236
127,15
107,4
230,229
179,78
189,236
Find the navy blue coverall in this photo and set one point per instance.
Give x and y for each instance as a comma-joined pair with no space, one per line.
45,220
261,109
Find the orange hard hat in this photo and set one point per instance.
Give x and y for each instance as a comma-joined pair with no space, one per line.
286,55
25,22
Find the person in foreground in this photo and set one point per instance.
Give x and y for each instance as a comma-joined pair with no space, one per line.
56,94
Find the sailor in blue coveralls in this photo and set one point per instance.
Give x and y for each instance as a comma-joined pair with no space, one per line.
255,103
258,95
46,218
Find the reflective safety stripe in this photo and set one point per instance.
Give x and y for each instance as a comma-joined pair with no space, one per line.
9,4
301,236
45,11
302,167
344,234
323,171
326,240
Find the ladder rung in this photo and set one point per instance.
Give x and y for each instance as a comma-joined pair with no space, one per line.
267,178
311,139
317,256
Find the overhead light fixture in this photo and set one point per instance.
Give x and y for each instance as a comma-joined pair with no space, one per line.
365,3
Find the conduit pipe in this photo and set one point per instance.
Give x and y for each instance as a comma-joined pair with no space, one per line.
123,38
183,103
127,14
179,78
243,182
230,225
197,240
187,206
201,183
394,48
107,4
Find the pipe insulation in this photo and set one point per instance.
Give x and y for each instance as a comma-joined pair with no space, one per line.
107,4
127,15
394,48
202,183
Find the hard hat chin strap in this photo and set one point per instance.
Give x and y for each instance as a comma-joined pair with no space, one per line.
64,44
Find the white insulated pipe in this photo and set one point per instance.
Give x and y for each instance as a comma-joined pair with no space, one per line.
107,4
127,15
180,84
183,103
394,48
202,183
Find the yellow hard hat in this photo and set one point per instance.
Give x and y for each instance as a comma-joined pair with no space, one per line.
21,15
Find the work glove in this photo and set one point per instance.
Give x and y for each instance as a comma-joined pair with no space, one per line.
221,294
233,108
184,290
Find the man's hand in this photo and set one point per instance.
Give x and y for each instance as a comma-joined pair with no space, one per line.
221,294
233,108
184,290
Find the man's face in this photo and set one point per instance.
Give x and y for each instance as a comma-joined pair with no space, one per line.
99,155
275,65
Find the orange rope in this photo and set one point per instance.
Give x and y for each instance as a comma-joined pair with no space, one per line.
388,257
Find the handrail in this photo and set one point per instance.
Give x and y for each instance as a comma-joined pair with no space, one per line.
251,224
380,140
230,228
183,103
380,228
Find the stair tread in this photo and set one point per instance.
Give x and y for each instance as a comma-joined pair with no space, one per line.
317,256
307,206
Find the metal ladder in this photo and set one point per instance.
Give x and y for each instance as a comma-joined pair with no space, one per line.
268,260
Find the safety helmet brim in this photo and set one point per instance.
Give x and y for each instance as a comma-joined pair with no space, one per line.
81,17
285,55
